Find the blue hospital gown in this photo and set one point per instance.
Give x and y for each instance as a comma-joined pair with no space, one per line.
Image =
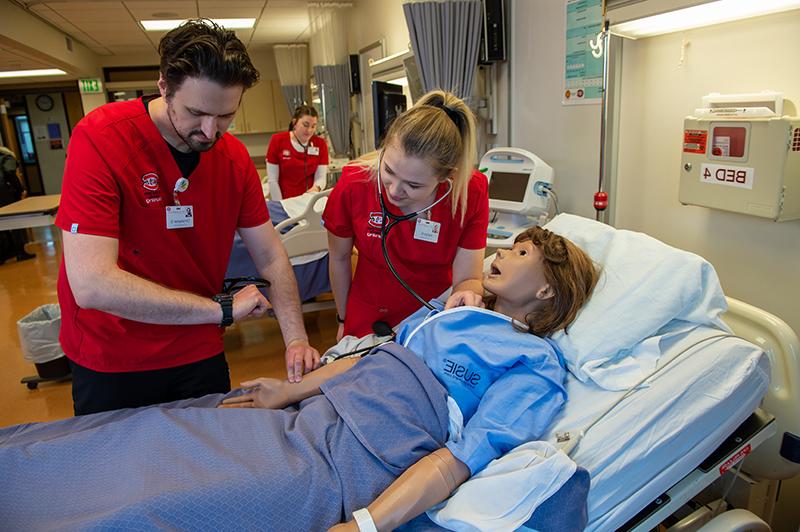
509,385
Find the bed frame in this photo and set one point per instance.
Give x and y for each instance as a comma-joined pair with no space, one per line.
769,438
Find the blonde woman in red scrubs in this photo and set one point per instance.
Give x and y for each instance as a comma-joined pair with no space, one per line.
425,166
297,159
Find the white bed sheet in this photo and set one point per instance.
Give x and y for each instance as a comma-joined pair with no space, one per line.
661,432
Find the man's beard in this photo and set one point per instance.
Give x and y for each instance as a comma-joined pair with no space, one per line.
188,138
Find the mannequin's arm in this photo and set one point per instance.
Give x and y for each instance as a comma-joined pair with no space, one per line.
428,482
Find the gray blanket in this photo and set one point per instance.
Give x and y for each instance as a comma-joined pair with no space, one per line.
188,466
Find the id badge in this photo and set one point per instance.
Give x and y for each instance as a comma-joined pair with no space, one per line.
313,150
427,230
180,217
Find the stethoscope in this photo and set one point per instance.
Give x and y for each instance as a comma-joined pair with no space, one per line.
387,226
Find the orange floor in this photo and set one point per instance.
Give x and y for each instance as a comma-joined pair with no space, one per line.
253,348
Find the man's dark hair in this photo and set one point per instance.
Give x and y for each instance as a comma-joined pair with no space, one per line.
200,48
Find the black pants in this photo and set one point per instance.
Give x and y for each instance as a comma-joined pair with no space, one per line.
94,391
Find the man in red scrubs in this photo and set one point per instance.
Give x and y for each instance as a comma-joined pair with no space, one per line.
154,190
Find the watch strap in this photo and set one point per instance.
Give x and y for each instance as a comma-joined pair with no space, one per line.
226,302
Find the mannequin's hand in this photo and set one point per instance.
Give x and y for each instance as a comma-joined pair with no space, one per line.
350,526
266,393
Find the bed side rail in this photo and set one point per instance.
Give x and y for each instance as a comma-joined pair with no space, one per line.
308,235
778,457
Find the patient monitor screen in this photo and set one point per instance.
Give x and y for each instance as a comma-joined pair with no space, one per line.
508,186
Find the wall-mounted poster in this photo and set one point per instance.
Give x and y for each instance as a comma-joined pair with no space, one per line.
583,73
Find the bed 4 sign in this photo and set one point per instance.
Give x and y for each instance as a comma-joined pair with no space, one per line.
732,176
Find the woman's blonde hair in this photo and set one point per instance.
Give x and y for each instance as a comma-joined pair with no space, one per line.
439,129
571,274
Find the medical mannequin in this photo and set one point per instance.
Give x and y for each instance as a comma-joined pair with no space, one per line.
425,165
297,159
541,284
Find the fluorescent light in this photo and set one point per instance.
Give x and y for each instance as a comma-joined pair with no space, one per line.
29,73
701,15
227,23
399,81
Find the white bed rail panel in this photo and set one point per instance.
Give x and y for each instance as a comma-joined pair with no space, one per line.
782,346
308,235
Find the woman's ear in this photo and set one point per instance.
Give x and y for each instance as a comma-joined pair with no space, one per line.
545,292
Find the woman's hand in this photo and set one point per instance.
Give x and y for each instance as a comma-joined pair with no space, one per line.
315,188
340,332
265,393
464,298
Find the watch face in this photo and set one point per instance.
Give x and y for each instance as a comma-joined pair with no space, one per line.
44,102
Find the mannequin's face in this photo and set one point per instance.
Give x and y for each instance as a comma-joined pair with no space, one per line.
517,275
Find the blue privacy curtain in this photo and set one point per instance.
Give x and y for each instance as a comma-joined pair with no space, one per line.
330,61
445,36
293,73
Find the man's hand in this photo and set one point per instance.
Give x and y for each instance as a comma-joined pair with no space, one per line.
249,302
464,298
300,358
266,393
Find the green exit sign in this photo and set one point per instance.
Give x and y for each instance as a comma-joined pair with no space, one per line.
90,86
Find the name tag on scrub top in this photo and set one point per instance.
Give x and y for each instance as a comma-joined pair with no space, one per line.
427,230
313,150
180,217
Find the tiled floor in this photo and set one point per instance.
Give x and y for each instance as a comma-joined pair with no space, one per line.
253,348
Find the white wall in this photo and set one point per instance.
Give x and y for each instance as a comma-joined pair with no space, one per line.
757,260
566,137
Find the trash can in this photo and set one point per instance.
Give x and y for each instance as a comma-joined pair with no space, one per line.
38,336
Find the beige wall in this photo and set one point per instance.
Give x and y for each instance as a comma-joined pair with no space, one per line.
373,20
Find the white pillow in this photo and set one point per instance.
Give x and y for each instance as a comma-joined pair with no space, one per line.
645,288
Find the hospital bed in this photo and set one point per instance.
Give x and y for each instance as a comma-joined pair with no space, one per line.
299,222
721,402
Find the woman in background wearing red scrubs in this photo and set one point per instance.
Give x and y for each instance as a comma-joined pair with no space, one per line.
297,159
427,155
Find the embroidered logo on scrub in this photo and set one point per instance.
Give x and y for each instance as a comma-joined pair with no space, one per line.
152,194
375,219
469,376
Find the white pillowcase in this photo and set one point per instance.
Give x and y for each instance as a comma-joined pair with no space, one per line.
645,289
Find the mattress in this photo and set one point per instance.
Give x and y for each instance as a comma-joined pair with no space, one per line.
663,430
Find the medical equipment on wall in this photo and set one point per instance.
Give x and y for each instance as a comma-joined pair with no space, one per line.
740,154
520,186
386,226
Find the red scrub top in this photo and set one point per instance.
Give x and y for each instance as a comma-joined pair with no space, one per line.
353,211
297,168
118,179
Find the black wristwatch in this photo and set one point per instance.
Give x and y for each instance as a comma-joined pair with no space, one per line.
339,318
226,302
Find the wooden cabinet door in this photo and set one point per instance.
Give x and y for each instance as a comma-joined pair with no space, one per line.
259,108
282,114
